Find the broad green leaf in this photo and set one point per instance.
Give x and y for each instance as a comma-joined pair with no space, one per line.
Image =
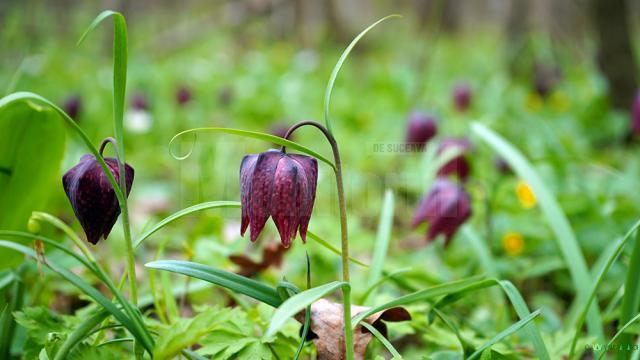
382,240
299,302
254,135
229,280
31,166
184,212
186,332
504,333
564,235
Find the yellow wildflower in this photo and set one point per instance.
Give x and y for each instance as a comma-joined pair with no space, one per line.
525,195
513,243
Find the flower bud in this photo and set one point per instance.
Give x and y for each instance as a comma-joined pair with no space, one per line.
420,129
92,197
279,185
462,97
445,208
459,165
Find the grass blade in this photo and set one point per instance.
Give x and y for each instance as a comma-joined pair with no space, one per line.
383,340
80,333
598,280
504,333
426,294
132,326
564,235
518,303
382,241
332,248
7,321
618,334
298,302
254,135
184,212
229,280
338,66
631,297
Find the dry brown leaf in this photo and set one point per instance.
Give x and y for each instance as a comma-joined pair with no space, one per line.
272,255
327,333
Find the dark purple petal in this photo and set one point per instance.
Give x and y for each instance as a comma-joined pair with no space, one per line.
246,174
290,186
420,129
72,106
261,190
92,197
309,166
459,165
445,208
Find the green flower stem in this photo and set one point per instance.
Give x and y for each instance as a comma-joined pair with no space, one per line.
42,216
346,290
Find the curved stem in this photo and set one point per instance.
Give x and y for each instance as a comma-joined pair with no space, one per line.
346,291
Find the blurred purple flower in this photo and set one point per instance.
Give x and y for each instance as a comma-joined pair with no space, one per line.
225,96
72,106
462,97
502,165
635,115
183,95
545,77
445,208
139,102
91,196
421,128
459,165
280,185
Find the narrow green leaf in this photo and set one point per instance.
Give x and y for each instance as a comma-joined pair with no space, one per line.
504,333
80,333
7,321
370,289
564,235
298,302
338,66
382,339
229,280
383,237
426,294
631,297
618,334
90,291
481,250
332,248
619,247
249,134
518,303
184,212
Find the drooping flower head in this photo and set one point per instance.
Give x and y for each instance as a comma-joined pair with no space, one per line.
462,96
72,106
459,165
92,197
280,185
183,95
139,102
635,115
445,208
421,127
